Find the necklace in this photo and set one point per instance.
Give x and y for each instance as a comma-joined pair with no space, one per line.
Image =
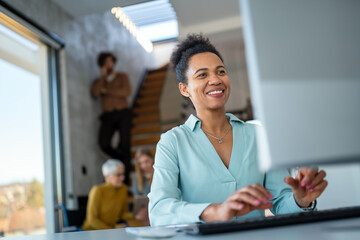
219,139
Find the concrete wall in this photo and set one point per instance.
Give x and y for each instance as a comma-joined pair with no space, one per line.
85,37
83,110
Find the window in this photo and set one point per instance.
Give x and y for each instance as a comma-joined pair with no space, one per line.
155,19
29,126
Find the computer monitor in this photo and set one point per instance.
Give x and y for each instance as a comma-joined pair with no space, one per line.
304,68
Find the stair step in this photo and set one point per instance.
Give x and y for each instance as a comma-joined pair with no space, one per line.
144,141
146,109
146,119
145,129
163,68
148,100
150,91
156,75
152,85
153,82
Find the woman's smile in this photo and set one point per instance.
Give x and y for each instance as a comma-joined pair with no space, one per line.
216,92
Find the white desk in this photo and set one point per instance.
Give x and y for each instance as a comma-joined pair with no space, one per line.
330,230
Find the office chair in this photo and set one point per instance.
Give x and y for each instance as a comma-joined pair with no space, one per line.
73,219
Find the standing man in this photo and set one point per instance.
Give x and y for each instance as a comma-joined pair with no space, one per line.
114,88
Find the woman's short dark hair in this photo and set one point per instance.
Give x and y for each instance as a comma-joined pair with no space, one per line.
193,44
103,56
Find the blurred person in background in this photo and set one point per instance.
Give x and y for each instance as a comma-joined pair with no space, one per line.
141,180
108,202
113,88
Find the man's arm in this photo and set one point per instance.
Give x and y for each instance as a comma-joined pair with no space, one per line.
124,91
97,87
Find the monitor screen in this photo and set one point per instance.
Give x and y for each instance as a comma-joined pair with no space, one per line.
304,68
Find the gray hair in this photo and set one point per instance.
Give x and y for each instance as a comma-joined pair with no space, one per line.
110,166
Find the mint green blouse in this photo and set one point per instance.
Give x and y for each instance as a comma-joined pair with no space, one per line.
189,174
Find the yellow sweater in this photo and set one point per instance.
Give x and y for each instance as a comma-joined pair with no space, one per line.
106,206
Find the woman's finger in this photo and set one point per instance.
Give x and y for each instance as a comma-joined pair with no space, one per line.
246,197
317,180
321,186
260,188
294,183
245,202
309,174
234,205
257,191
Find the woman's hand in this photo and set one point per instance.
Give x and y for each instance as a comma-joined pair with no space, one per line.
143,216
241,202
307,186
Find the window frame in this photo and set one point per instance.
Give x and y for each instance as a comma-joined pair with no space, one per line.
54,182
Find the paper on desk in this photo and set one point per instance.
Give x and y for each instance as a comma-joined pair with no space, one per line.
152,232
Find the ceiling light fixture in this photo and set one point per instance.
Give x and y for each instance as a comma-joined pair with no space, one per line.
131,27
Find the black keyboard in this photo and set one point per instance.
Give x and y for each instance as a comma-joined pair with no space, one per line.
274,221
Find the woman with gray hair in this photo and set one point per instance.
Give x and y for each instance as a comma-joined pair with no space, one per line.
108,202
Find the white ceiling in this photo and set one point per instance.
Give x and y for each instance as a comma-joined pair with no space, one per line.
78,8
189,12
196,12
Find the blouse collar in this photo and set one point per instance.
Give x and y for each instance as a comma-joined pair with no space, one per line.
193,122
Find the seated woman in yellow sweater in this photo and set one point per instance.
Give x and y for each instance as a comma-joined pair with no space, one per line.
108,202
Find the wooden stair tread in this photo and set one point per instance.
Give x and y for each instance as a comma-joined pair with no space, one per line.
150,91
148,100
154,81
145,129
146,109
149,97
146,118
160,74
144,141
162,68
149,83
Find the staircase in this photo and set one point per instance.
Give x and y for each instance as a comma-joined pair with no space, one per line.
145,131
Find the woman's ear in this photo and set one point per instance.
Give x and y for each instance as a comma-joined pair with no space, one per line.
183,90
106,177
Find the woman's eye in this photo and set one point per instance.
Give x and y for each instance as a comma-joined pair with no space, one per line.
221,72
201,75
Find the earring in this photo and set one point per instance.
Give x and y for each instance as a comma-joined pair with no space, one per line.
188,95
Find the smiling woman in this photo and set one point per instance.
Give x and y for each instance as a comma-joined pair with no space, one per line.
210,84
204,171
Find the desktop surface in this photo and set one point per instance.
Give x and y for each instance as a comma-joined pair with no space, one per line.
333,230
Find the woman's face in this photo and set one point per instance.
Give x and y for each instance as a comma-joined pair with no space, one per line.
116,179
146,163
208,83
